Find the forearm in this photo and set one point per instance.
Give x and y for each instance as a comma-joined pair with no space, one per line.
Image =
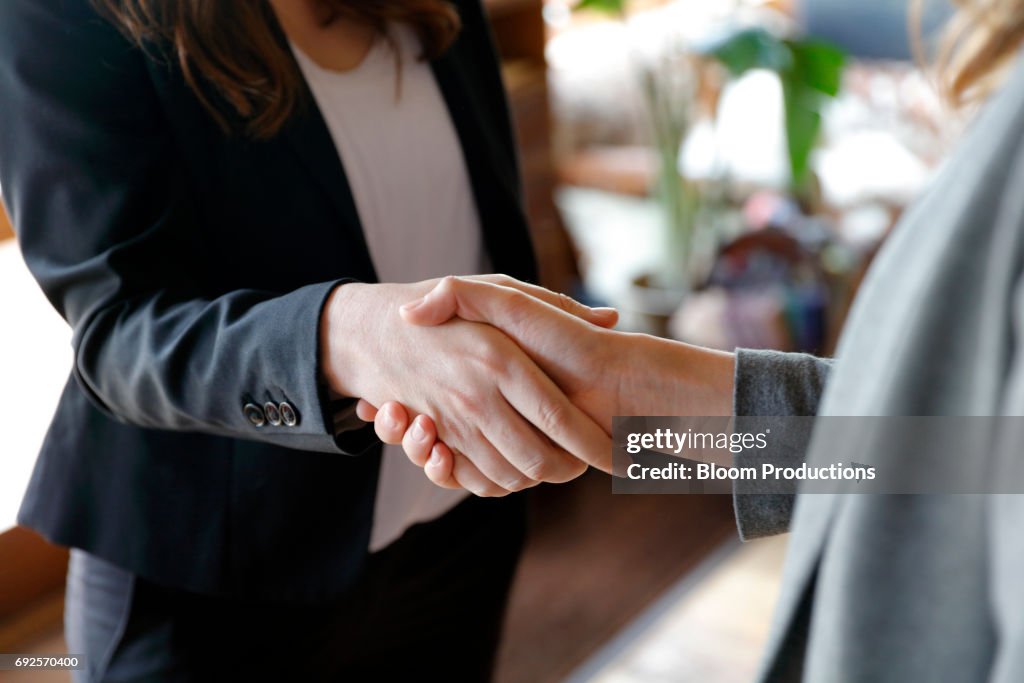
196,365
664,377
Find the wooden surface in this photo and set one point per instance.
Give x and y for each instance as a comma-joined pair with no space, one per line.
593,562
39,570
712,630
627,170
31,581
6,231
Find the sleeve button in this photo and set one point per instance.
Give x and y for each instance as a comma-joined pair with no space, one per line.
272,413
288,414
254,414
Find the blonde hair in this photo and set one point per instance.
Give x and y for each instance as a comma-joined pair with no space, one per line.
977,47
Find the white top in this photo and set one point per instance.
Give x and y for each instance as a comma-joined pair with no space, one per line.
404,164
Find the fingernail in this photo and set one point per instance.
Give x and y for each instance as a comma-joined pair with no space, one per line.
604,310
413,305
418,433
435,459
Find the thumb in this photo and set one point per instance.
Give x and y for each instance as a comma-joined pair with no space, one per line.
534,324
438,306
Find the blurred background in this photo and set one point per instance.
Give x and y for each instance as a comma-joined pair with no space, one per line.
722,171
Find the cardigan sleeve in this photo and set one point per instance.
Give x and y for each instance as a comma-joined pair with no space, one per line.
770,383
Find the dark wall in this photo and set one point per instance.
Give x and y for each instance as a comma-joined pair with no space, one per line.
869,28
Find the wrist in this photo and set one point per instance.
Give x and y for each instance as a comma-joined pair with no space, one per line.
664,377
342,324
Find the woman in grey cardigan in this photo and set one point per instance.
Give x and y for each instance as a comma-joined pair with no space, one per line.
876,587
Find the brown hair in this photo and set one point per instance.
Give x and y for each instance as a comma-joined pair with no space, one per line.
232,46
977,46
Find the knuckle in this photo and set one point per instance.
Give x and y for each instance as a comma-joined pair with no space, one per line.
488,490
573,469
553,417
416,454
465,403
520,307
438,478
517,299
539,469
511,485
502,279
492,356
566,303
385,434
453,433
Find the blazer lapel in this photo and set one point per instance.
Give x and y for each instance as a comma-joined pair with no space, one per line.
472,125
309,137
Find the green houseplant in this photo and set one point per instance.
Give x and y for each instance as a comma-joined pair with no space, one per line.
810,72
667,87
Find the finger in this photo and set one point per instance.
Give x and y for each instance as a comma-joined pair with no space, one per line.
537,327
444,302
531,452
419,440
462,469
502,468
541,330
391,422
468,476
535,396
601,316
365,410
440,466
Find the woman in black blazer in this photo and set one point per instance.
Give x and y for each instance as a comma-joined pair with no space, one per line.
179,198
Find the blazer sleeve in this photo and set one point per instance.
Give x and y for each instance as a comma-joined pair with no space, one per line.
95,190
770,383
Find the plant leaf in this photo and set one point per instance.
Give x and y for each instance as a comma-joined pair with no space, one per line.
803,124
606,6
819,65
750,48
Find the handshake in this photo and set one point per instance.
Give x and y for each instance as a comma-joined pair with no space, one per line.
494,385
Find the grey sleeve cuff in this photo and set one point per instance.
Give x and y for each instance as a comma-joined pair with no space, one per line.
770,383
759,515
775,383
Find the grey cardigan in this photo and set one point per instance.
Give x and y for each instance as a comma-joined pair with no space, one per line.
916,588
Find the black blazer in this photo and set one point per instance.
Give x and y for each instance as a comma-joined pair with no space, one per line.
192,267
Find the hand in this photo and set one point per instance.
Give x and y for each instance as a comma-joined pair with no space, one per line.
418,439
489,401
605,373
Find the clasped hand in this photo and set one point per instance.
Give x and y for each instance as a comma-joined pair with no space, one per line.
510,385
506,422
